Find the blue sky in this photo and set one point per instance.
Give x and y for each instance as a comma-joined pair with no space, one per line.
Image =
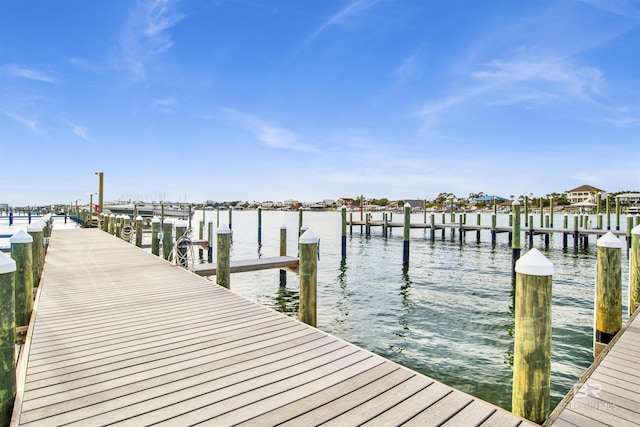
316,99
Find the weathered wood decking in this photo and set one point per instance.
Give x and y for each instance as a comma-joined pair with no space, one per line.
240,266
609,392
121,336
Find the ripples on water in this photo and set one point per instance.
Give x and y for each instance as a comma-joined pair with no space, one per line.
450,316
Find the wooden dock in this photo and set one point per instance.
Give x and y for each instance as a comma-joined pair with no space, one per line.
120,336
284,262
608,394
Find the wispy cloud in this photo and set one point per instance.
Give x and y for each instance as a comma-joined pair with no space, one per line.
351,9
27,73
30,123
269,134
628,8
146,34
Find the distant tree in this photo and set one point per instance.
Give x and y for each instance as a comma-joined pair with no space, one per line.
442,198
380,202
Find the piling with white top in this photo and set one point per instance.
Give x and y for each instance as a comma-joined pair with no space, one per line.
494,221
35,231
283,246
308,246
181,247
210,242
608,295
7,338
155,235
515,239
167,237
112,224
634,270
139,231
532,337
259,225
343,211
223,260
407,232
22,254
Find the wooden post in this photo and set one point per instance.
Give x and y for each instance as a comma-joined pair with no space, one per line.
155,235
90,222
530,231
139,231
551,210
608,301
10,218
223,260
201,234
300,221
599,221
7,338
230,218
189,208
210,242
629,229
385,225
634,270
565,226
259,225
100,190
343,213
22,254
493,228
576,232
526,211
541,212
598,203
433,225
37,234
546,235
283,246
608,210
532,337
367,227
478,220
461,221
167,238
308,246
407,232
350,223
515,239
180,254
617,213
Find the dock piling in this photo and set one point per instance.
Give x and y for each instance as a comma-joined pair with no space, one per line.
22,254
283,247
167,238
7,338
308,246
155,236
343,214
407,231
634,270
532,340
181,246
608,301
223,257
515,239
259,225
36,232
139,231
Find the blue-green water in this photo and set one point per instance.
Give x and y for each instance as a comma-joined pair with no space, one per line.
449,317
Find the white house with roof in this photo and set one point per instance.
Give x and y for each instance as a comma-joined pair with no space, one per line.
584,193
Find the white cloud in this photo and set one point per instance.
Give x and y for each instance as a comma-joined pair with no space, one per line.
80,131
27,73
270,135
628,8
146,34
31,123
338,18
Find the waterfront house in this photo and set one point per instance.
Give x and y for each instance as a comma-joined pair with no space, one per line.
584,193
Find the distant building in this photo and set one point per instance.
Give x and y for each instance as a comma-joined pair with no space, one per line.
584,193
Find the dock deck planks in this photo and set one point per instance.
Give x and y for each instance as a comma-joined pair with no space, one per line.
610,393
122,337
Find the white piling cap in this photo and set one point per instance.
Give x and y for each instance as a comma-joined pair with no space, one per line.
181,224
283,227
223,229
533,263
344,208
127,217
21,237
259,207
635,230
139,218
308,238
515,202
155,220
167,221
112,215
7,265
609,240
36,227
407,205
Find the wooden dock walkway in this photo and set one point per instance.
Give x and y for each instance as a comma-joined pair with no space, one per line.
120,336
608,394
284,262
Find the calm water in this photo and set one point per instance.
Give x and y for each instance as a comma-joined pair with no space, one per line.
449,317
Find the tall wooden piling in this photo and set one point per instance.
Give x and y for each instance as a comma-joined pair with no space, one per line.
230,220
7,338
551,210
494,221
608,301
565,225
155,235
210,242
223,256
576,232
112,224
139,221
634,270
343,229
629,230
167,238
541,212
283,247
407,232
608,211
308,246
617,212
22,254
515,239
259,225
36,232
478,221
532,337
300,221
526,211
432,224
181,246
